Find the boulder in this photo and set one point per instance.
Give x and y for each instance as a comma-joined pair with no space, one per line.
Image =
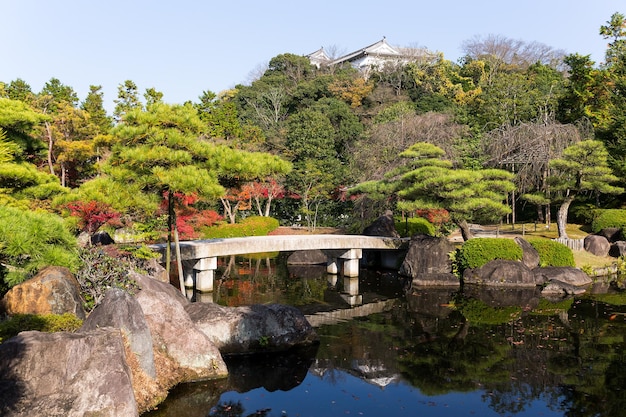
173,332
566,274
618,249
120,310
66,374
54,290
256,328
612,234
502,273
101,238
597,245
427,261
383,226
307,257
530,256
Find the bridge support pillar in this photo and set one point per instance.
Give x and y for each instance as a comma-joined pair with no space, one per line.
349,262
204,273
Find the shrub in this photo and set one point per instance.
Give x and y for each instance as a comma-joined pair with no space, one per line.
478,251
552,253
608,218
67,322
250,226
102,270
30,241
415,226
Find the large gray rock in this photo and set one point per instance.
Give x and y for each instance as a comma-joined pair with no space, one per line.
597,245
173,332
66,374
54,290
501,273
254,328
530,256
566,274
120,310
618,249
612,234
427,262
382,226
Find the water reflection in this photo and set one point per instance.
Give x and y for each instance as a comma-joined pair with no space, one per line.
434,352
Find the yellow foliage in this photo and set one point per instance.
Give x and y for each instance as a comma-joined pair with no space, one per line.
351,91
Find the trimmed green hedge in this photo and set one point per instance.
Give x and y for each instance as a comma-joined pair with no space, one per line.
414,226
478,251
608,218
250,226
552,253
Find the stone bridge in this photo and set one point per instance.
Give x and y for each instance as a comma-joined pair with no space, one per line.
199,257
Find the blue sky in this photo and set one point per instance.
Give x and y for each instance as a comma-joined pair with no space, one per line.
184,47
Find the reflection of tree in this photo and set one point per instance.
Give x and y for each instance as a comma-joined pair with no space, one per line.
235,409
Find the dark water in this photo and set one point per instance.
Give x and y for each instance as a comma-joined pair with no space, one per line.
429,353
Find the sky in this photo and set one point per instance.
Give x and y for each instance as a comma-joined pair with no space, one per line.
185,47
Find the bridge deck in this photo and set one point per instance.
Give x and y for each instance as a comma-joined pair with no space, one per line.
199,249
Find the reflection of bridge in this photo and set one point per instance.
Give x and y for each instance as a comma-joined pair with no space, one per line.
199,257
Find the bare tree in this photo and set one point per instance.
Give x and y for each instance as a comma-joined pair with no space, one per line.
526,149
501,51
257,72
378,153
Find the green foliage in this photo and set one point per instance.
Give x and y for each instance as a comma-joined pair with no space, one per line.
67,322
100,271
426,181
552,253
478,251
31,241
608,218
415,226
250,226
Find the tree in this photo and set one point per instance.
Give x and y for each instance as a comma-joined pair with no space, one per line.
162,151
427,181
94,106
18,120
583,168
127,99
317,168
615,30
526,150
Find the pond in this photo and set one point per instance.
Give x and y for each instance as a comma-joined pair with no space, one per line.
429,352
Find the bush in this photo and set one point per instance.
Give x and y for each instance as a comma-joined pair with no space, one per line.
552,253
250,226
30,241
478,251
67,322
414,226
608,218
106,267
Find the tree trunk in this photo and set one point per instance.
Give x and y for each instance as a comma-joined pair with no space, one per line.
168,253
465,230
561,216
50,145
